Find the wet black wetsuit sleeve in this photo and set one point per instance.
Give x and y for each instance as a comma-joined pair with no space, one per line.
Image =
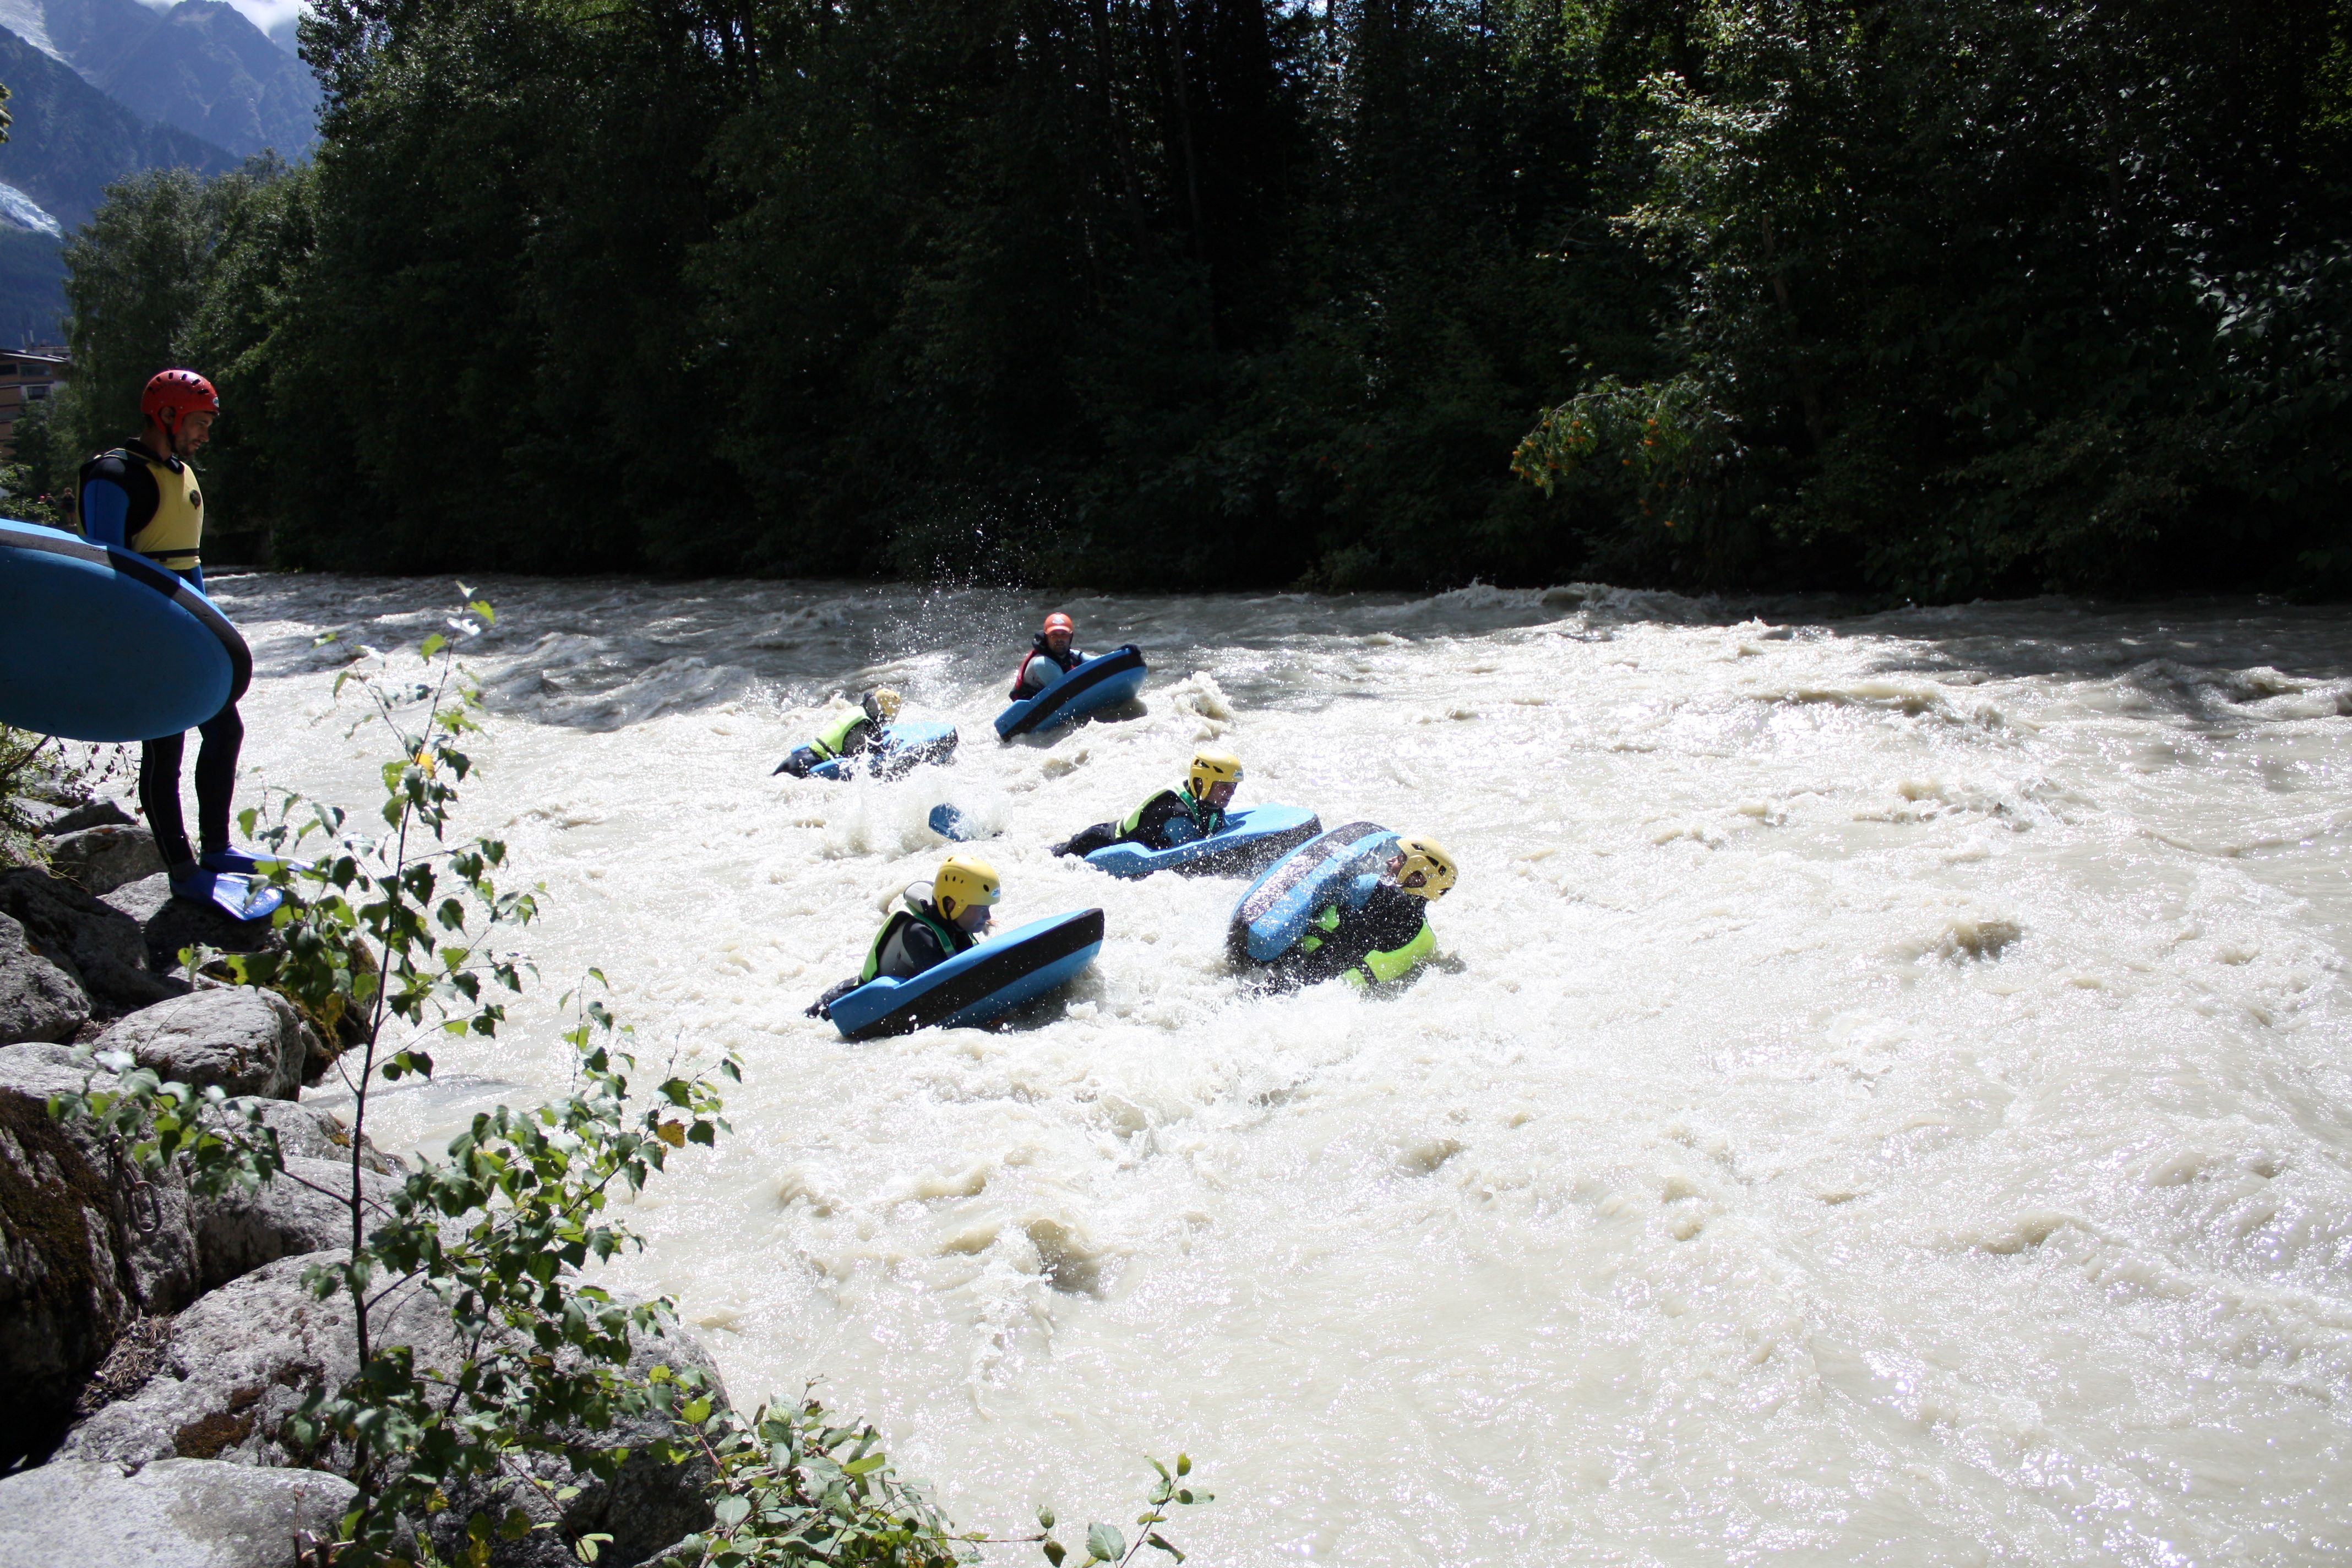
1151,825
862,737
1390,919
133,478
1087,840
1150,828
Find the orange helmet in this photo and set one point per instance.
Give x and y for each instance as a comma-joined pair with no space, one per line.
1058,622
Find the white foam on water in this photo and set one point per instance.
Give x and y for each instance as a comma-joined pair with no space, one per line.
1884,1094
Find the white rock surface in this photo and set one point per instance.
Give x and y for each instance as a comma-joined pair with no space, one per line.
244,1356
175,1513
246,1039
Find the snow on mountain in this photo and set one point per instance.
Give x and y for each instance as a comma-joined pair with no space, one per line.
28,19
21,211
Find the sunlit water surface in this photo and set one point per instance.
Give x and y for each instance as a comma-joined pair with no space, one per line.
1883,1096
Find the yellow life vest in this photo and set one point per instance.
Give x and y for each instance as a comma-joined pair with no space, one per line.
176,532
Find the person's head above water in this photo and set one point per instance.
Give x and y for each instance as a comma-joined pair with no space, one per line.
1421,866
1215,777
882,705
963,889
179,407
1058,630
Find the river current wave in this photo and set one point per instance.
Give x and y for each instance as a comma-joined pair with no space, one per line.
1883,1094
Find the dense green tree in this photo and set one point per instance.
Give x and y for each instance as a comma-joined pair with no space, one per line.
1932,299
134,278
177,270
1982,297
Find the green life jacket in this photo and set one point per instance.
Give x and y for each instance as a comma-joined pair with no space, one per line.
952,940
1206,819
829,740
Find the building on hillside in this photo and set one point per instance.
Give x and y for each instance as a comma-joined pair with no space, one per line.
27,376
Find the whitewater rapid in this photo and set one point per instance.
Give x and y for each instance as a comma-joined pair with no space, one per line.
1883,1096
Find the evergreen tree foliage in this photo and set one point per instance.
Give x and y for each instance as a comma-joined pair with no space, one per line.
1933,300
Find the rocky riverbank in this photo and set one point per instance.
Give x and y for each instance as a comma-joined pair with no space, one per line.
154,1340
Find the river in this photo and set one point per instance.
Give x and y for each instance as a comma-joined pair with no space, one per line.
1883,1096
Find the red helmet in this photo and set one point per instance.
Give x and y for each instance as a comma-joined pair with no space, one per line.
182,392
1058,622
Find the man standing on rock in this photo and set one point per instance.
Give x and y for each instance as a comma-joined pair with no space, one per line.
144,495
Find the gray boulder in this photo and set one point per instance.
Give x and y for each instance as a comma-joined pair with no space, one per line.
316,1133
38,1000
56,821
303,1210
102,858
85,1249
176,1513
243,1358
99,946
648,1507
246,1039
167,924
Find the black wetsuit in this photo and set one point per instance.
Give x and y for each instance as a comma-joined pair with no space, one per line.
1147,824
1340,939
126,470
911,940
862,735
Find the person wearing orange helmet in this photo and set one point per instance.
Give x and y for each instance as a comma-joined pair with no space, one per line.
142,496
1051,655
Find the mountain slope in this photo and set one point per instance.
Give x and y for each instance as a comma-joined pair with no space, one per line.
201,67
204,68
70,142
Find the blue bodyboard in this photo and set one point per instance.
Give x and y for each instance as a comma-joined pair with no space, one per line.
1278,905
234,893
948,822
903,747
1252,839
1099,682
101,643
975,985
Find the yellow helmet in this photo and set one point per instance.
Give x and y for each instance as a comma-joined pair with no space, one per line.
882,704
1423,867
963,882
1214,768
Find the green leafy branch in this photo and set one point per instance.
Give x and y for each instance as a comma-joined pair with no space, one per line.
792,1487
1107,1543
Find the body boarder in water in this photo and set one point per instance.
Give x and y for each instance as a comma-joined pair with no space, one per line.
856,733
144,497
1192,810
1386,939
928,929
1050,657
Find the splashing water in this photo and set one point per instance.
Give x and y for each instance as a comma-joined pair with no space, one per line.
1883,1095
